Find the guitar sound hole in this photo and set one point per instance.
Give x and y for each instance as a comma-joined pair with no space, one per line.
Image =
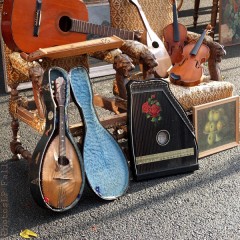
65,23
155,44
63,161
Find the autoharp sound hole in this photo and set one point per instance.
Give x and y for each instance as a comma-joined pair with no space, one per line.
63,161
65,23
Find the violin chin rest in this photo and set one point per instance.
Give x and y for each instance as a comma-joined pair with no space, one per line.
175,77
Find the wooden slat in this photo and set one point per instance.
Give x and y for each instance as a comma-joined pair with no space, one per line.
74,49
107,122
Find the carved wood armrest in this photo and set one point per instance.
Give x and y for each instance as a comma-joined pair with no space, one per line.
133,52
36,76
140,55
216,53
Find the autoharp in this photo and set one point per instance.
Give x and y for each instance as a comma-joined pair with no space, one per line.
161,137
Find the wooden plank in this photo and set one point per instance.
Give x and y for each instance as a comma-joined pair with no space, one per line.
74,49
107,122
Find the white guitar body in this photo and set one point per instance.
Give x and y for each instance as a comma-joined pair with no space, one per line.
155,45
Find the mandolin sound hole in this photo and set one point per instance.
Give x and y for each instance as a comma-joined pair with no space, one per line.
63,161
65,23
155,44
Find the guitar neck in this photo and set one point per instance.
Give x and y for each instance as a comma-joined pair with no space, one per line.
101,30
62,143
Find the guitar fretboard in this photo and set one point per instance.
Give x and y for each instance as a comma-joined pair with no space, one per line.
101,30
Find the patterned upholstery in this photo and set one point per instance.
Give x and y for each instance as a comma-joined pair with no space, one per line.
20,65
205,92
12,74
125,15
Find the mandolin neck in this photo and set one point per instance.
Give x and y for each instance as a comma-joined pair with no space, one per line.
143,16
176,36
101,30
62,143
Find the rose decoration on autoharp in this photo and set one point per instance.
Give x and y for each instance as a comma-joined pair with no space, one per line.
152,109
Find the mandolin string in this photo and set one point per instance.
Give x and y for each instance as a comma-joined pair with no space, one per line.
62,143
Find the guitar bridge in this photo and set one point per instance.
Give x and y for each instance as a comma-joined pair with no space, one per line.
37,18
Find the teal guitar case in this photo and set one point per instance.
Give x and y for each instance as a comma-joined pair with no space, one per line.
105,164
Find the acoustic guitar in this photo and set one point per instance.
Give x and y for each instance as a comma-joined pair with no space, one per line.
56,171
155,45
30,25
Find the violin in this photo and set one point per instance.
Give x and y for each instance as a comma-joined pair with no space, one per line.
175,34
189,71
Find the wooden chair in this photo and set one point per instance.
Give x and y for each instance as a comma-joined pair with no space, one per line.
123,15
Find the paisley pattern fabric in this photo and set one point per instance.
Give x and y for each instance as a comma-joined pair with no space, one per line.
66,63
205,92
125,15
13,75
20,65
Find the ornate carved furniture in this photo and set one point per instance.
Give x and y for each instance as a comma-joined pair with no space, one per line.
123,15
215,4
159,13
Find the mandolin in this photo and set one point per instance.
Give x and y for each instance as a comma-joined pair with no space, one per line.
189,71
56,171
175,34
50,23
155,45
